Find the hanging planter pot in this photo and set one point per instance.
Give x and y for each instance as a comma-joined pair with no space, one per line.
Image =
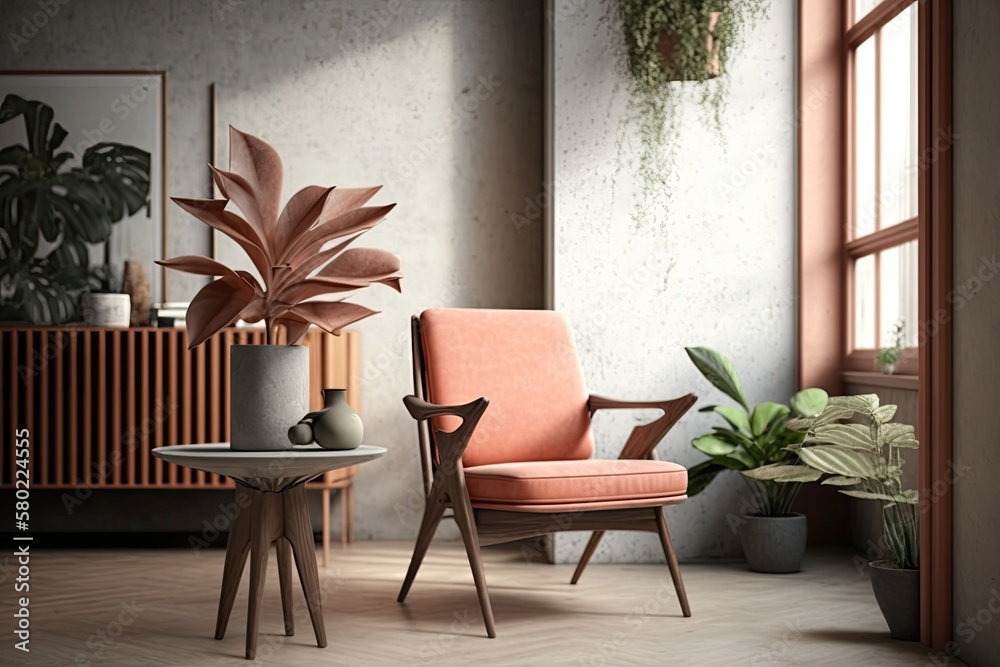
669,43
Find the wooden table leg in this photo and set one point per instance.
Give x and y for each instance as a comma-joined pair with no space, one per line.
298,531
266,516
284,549
282,518
237,550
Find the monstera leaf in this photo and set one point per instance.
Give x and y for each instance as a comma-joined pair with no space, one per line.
42,198
288,248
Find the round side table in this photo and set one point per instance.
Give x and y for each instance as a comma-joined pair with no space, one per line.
276,513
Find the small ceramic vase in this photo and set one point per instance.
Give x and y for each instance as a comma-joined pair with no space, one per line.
336,426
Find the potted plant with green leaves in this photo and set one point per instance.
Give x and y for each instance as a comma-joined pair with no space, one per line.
863,459
888,357
666,45
52,213
773,537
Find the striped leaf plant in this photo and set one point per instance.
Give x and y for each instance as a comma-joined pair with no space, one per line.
863,459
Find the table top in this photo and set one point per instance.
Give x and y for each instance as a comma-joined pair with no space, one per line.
267,471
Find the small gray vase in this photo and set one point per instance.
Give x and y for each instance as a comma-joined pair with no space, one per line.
336,426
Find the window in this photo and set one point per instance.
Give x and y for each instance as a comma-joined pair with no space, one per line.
883,181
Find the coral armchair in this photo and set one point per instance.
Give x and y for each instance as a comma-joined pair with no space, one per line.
504,425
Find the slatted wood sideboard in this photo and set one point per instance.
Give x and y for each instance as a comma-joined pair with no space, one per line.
98,400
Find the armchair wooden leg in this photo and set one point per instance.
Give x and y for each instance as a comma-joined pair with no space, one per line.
432,517
467,524
595,539
668,551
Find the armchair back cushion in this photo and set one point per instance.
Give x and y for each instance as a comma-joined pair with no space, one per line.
525,363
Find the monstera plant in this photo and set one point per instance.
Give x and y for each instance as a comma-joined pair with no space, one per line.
50,212
287,247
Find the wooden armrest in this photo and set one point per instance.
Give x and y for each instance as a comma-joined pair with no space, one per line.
596,403
420,409
450,444
642,441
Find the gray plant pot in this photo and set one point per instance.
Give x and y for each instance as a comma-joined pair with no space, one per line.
270,392
106,310
774,544
897,592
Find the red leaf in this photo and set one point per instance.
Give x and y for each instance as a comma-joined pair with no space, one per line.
369,264
299,214
216,305
307,266
259,165
312,287
352,222
202,266
295,328
331,316
212,212
241,193
342,200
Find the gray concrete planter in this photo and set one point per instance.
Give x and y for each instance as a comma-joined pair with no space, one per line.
774,544
897,592
270,393
106,310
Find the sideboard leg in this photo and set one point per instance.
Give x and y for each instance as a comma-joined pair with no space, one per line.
237,550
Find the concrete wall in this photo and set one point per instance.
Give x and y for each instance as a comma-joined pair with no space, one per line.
441,101
718,270
977,330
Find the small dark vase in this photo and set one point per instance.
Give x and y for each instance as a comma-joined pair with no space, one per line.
336,426
897,592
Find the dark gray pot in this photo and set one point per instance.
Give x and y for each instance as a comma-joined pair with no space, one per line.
270,392
898,594
774,544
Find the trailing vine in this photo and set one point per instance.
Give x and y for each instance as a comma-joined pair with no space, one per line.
658,84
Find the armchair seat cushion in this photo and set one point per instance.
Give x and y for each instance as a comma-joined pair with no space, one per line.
574,482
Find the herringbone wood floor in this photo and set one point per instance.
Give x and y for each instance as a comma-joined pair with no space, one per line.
157,607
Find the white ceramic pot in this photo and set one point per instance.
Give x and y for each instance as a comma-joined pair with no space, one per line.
106,310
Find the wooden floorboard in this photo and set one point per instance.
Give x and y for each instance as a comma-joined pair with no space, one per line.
157,607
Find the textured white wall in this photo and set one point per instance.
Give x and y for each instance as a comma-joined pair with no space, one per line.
976,330
439,100
718,272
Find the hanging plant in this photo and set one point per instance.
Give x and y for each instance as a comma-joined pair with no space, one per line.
666,43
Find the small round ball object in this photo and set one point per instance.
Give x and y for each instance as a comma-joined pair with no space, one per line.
301,434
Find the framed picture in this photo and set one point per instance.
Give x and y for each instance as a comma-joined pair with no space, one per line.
107,128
